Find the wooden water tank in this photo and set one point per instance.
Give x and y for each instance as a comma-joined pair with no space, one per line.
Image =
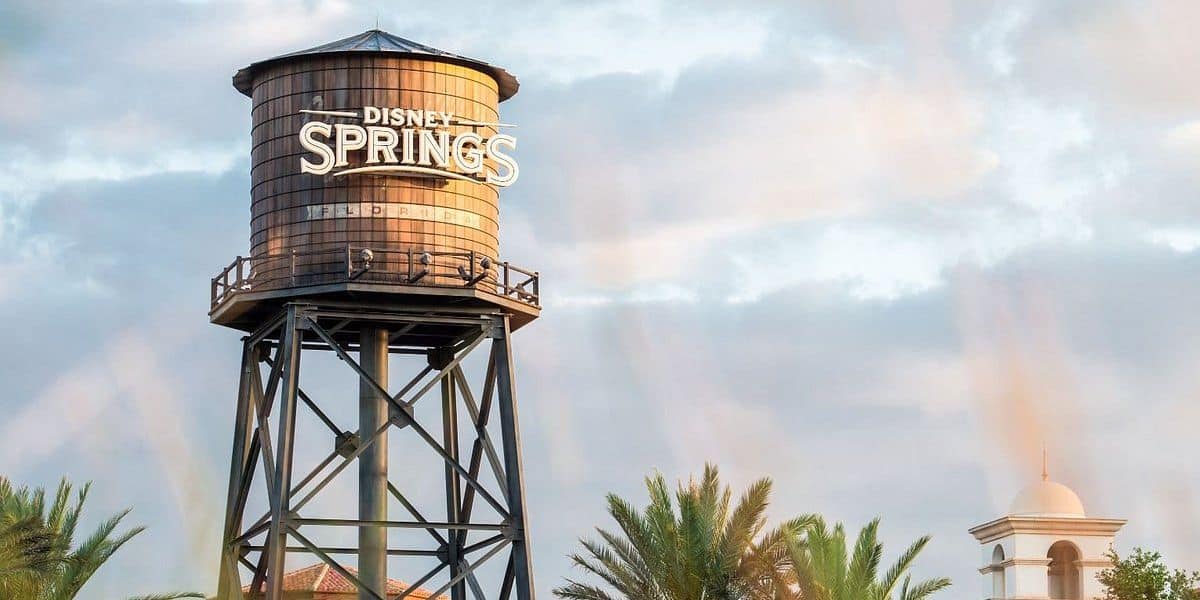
404,229
318,216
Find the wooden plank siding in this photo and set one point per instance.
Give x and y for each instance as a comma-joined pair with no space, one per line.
280,193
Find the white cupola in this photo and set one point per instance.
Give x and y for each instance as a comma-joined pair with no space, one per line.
1046,547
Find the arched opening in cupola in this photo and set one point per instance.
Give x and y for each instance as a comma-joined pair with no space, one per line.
1063,573
998,591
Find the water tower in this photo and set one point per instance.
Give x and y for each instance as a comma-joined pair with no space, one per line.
376,170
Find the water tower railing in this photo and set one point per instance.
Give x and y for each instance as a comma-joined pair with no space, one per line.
393,266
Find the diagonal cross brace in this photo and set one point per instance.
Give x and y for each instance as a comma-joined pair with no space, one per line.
401,413
332,563
353,364
479,419
468,570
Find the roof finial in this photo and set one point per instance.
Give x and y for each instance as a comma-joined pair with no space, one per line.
1045,471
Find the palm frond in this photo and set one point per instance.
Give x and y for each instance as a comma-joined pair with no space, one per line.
903,564
924,589
864,562
38,556
693,543
746,522
575,590
825,569
169,596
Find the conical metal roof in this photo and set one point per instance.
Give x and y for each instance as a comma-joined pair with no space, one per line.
379,41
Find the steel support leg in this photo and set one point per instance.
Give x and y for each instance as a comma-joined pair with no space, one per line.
453,490
229,584
506,396
281,512
373,463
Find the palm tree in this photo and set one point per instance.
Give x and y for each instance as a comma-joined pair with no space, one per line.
697,547
29,551
38,559
826,570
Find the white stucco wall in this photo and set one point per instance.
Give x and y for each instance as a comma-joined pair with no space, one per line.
1027,563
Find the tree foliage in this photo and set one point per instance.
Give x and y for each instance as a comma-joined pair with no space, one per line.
696,544
828,569
1142,575
39,558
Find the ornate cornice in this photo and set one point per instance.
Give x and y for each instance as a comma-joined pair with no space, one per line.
1015,562
1024,562
1005,526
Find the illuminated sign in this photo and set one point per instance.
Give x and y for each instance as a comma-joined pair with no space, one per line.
408,143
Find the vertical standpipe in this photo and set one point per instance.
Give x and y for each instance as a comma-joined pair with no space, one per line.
372,464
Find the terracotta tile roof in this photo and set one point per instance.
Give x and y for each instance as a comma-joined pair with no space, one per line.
323,579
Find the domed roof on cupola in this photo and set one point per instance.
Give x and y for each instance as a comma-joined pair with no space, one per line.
1047,499
381,42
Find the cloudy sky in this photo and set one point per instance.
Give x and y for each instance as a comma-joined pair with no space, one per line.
881,254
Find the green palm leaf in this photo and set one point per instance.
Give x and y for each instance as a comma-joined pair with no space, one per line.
38,556
825,570
694,544
923,589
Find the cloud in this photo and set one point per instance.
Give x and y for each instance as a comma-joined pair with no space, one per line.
846,245
72,403
122,394
705,174
566,42
1178,239
1131,54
